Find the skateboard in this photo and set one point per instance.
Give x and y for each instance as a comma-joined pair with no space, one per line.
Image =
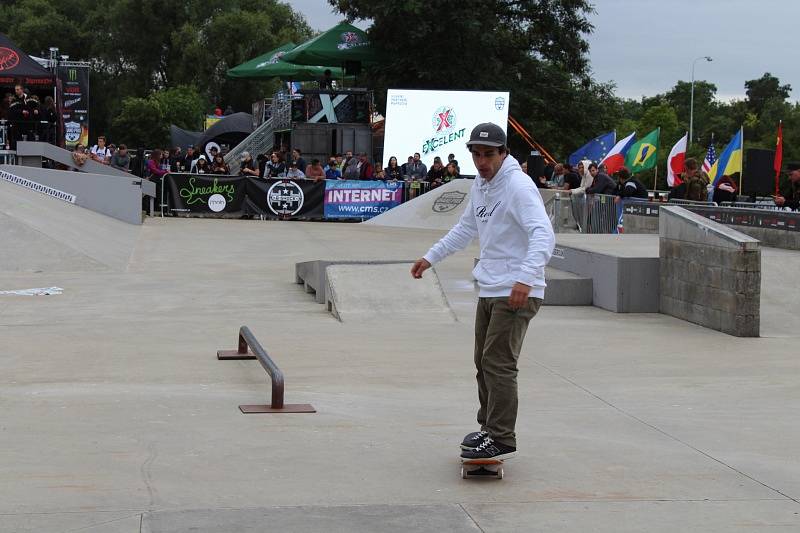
481,468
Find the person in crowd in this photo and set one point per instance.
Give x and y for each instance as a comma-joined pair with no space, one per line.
339,163
628,186
366,171
417,169
261,165
50,115
559,175
405,167
789,195
297,157
228,111
348,155
332,171
100,152
585,176
79,155
451,158
326,82
353,169
571,178
175,159
451,172
18,115
315,171
121,160
155,171
189,159
294,172
202,166
602,183
247,166
524,166
218,166
690,169
276,167
380,174
725,190
393,171
539,181
436,174
35,118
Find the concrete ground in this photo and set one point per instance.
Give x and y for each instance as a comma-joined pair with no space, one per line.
117,416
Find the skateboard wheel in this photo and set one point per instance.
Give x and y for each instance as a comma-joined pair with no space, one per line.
500,473
463,473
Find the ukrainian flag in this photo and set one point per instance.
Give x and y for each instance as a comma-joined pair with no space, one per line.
730,161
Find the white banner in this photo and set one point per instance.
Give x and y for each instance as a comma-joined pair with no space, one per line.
438,123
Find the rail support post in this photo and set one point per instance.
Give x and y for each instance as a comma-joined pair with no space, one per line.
248,342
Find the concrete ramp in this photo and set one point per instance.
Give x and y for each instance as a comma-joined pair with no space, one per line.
385,292
437,209
42,233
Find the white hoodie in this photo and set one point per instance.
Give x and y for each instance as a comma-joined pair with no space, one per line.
507,215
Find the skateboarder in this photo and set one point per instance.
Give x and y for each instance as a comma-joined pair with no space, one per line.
507,214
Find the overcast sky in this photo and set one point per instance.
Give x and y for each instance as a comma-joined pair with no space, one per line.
645,46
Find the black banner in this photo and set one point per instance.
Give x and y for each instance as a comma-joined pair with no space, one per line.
205,193
75,103
730,216
286,199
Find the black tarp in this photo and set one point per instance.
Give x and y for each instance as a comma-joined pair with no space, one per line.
230,130
17,66
183,138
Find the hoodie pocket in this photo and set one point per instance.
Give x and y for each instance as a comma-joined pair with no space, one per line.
491,271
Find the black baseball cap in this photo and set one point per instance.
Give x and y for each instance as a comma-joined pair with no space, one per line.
487,134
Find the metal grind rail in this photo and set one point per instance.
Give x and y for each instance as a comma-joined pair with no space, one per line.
250,348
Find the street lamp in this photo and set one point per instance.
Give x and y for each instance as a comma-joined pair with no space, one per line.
691,103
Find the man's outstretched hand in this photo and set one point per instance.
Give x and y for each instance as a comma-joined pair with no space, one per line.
420,266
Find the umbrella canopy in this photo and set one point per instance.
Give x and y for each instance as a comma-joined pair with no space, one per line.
273,65
17,65
341,44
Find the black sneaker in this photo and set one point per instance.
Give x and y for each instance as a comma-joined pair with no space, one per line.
490,449
472,440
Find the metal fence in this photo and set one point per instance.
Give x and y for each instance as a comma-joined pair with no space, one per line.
596,213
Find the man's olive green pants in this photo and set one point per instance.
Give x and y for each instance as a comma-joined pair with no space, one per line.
499,332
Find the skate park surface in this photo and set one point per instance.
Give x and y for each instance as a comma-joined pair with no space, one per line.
117,416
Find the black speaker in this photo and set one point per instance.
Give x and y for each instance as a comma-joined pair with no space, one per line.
352,68
535,166
759,174
299,110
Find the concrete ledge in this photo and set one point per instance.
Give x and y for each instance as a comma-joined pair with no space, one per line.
710,274
694,227
313,275
566,288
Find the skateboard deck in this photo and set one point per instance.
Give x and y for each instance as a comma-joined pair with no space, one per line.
481,468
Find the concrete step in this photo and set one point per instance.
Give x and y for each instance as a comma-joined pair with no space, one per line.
566,288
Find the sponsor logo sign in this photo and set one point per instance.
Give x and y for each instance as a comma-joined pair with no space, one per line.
443,122
448,201
8,58
285,198
360,199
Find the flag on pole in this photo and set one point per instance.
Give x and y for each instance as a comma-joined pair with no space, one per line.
675,162
778,156
642,154
594,150
711,156
730,160
615,159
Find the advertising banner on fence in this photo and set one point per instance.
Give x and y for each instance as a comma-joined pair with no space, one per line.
193,193
75,102
361,199
285,198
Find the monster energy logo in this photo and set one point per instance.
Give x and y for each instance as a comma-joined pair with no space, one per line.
72,74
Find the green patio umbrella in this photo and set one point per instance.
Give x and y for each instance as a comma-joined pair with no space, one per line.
341,44
273,65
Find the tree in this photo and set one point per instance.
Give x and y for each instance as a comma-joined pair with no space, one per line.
140,123
536,48
764,89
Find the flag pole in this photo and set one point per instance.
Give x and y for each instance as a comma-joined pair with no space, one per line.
777,167
741,174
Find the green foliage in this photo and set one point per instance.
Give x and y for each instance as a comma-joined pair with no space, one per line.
140,123
139,47
182,106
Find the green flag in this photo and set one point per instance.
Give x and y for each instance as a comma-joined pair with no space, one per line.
643,154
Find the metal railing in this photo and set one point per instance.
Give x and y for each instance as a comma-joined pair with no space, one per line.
250,348
698,203
595,213
263,137
750,205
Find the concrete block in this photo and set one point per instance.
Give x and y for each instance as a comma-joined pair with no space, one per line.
565,288
741,325
681,224
747,261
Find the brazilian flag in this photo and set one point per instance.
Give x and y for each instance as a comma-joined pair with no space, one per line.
643,154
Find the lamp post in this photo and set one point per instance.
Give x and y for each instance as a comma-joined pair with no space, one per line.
691,102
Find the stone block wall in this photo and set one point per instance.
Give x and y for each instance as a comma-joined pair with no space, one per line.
709,273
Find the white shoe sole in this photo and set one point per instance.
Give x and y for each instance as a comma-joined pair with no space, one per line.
501,457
